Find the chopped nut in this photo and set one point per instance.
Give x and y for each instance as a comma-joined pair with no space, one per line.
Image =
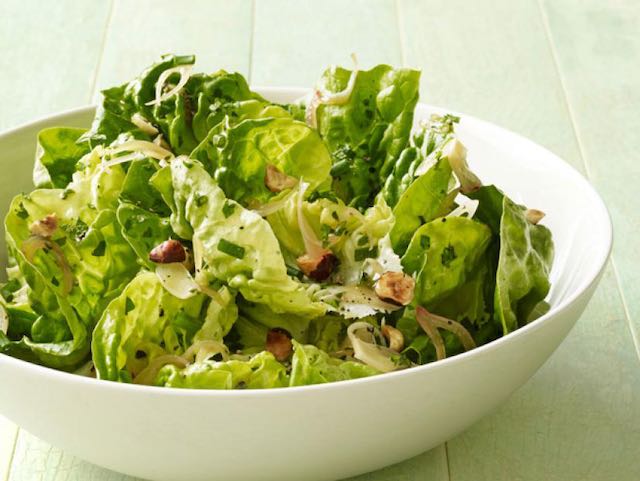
45,227
394,337
318,268
276,180
534,215
279,343
169,251
395,287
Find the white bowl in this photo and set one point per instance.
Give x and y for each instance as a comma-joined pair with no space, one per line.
326,431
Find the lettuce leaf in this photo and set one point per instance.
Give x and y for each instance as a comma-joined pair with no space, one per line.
526,255
262,371
237,246
310,365
57,155
420,203
444,254
367,133
143,322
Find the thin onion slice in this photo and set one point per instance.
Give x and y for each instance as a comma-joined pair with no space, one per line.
202,350
35,243
148,149
274,206
185,73
432,332
456,154
149,373
177,280
319,97
466,207
366,351
449,325
312,244
143,124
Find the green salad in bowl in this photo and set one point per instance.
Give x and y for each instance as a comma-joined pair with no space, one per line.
200,236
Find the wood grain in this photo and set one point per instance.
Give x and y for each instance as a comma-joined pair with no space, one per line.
8,433
49,56
218,32
597,46
295,41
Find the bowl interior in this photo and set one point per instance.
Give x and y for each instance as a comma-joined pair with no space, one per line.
528,173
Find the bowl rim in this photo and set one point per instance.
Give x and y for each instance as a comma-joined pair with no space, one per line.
465,357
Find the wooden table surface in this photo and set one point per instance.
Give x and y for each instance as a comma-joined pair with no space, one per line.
565,73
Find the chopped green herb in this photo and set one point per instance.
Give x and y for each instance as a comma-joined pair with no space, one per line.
448,255
201,200
129,306
228,209
425,242
365,253
234,250
22,212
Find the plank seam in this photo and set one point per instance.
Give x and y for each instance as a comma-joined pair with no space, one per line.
252,40
7,474
446,456
103,44
401,39
576,133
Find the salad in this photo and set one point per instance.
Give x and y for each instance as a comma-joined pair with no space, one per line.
198,235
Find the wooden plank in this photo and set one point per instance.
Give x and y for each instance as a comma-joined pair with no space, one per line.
217,31
431,466
36,460
492,59
597,47
8,433
295,41
49,56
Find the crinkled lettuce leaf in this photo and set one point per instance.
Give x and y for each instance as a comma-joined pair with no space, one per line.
262,371
57,155
367,133
311,365
420,203
425,146
236,246
145,321
526,255
443,254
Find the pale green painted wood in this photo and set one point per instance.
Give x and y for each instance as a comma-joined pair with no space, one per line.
8,433
491,59
578,418
294,41
35,460
597,46
49,56
218,32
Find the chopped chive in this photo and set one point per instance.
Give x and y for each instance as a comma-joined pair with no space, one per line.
425,242
129,306
231,249
201,200
448,255
228,209
340,168
364,240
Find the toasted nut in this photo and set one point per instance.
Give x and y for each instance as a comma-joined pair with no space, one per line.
45,227
318,268
394,337
396,287
276,180
279,343
534,215
169,251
